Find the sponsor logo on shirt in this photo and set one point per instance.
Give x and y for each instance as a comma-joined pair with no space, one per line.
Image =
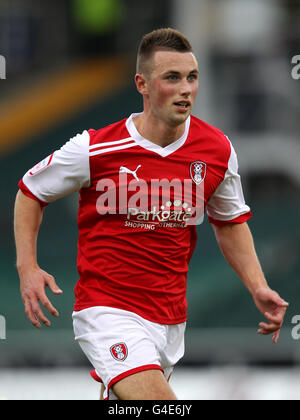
123,169
166,216
155,202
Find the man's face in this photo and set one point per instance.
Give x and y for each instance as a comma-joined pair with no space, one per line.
173,86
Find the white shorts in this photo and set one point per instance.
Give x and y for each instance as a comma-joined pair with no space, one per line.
119,343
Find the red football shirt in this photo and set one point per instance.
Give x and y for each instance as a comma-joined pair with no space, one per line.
138,209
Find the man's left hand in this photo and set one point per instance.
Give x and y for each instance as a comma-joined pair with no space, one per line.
273,307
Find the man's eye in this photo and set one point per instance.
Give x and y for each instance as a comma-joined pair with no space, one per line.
172,77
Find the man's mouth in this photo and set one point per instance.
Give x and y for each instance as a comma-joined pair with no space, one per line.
183,104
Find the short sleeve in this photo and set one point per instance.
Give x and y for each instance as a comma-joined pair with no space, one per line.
227,204
61,173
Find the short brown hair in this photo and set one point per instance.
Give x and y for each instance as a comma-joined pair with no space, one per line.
160,39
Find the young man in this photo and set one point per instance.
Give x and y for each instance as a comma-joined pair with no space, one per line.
140,180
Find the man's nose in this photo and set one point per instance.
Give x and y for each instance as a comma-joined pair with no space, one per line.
185,88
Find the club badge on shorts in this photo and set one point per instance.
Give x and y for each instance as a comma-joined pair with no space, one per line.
198,172
119,351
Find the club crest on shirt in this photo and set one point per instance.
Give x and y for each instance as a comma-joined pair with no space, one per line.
39,167
198,172
119,351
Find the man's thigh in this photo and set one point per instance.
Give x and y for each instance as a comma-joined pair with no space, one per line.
145,385
169,376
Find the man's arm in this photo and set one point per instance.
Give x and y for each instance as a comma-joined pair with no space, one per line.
236,243
33,280
61,173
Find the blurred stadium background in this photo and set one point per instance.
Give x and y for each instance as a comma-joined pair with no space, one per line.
70,66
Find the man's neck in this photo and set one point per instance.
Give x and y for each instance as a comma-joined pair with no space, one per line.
157,131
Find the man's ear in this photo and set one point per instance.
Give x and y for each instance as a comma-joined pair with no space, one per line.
141,84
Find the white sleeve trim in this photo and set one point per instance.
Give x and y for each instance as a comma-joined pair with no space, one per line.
227,202
65,171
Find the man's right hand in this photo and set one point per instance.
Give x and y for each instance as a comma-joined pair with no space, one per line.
33,282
